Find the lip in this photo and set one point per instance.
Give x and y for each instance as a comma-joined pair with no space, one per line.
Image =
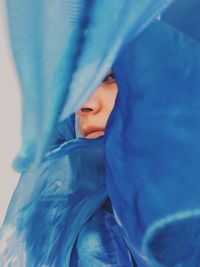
93,132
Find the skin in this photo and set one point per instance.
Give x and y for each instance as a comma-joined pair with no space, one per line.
94,114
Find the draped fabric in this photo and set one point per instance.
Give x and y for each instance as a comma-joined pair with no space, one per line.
153,179
147,162
51,204
63,49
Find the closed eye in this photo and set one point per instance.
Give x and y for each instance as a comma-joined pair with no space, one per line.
109,78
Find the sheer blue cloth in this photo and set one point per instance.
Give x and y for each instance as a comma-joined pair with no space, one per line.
146,165
63,49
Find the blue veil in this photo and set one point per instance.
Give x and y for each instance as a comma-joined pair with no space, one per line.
147,162
71,45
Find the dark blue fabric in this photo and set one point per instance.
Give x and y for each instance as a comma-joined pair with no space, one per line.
150,170
100,243
184,15
153,147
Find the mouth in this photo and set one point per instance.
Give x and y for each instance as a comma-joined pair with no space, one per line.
93,132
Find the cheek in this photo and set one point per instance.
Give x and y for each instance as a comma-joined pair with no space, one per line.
111,97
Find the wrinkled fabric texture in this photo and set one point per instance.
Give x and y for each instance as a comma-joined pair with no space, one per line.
102,238
51,204
63,49
57,215
147,163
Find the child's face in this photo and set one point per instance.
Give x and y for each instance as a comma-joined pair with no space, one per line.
93,115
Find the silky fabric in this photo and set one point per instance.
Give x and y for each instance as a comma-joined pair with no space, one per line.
101,243
153,147
150,167
51,216
63,50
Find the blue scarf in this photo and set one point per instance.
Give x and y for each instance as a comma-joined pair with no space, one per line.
147,162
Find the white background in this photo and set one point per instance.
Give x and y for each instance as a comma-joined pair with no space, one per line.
9,117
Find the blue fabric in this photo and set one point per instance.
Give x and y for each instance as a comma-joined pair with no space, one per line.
57,215
63,49
150,166
102,238
51,205
153,147
184,15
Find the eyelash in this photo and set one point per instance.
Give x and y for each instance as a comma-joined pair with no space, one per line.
109,78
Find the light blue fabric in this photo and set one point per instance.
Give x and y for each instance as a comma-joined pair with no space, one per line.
152,148
52,203
63,49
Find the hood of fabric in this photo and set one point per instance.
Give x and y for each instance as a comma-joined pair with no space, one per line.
151,142
152,162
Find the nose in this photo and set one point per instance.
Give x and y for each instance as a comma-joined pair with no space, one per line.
92,106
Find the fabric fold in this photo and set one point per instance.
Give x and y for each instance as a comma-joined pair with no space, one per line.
51,204
63,50
153,161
